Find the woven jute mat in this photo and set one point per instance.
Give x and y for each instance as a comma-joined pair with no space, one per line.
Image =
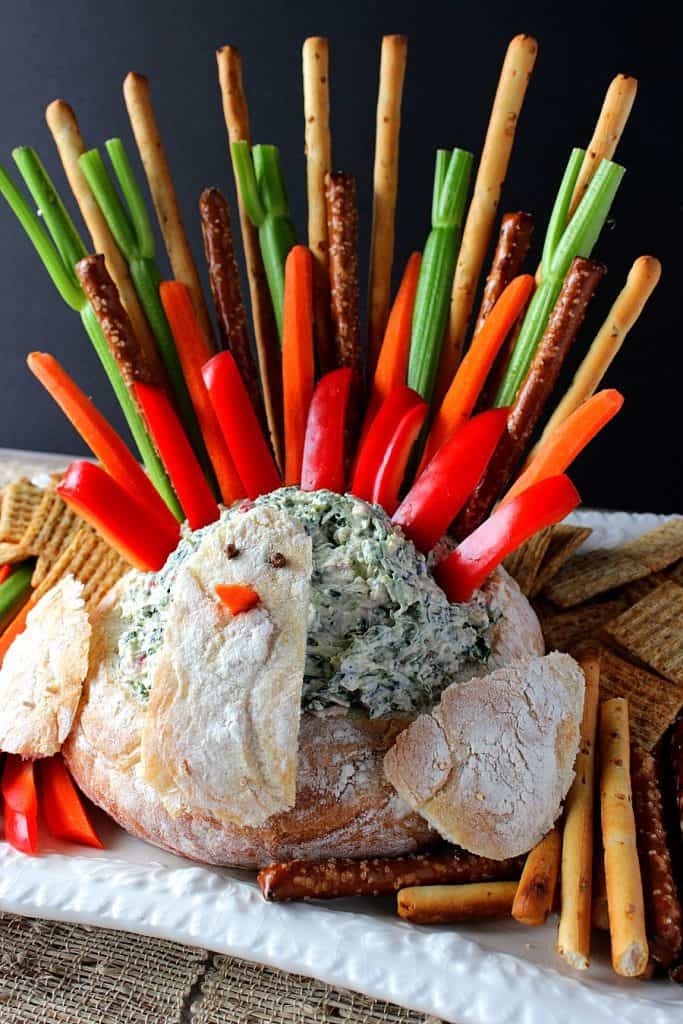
52,973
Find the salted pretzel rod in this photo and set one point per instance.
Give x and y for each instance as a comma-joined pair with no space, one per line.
373,876
574,931
451,904
266,337
622,870
316,81
392,70
146,131
511,249
536,890
500,136
629,304
63,125
342,230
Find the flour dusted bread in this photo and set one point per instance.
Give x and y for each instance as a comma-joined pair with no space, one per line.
43,672
489,768
221,732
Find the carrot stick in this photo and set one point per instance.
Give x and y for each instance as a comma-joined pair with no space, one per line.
462,395
92,427
298,369
16,626
568,440
193,352
392,365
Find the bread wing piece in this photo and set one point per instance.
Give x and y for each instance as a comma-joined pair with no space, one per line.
221,733
43,672
490,767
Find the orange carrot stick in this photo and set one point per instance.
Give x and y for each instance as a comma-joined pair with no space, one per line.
392,365
238,597
298,369
100,437
193,351
462,395
568,440
16,626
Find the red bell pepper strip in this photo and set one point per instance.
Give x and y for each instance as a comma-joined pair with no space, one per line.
143,541
298,361
449,478
177,455
65,814
238,597
324,444
241,428
376,441
20,804
5,570
393,467
547,502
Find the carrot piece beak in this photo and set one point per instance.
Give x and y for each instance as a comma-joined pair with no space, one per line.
238,597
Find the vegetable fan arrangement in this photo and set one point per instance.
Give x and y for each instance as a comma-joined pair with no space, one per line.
429,411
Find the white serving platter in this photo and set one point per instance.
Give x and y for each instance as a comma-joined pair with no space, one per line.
500,972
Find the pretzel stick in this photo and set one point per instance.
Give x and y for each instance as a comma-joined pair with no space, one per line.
450,904
63,126
342,230
315,63
329,879
536,891
622,871
500,136
574,931
629,304
392,71
236,117
512,247
662,909
224,278
143,122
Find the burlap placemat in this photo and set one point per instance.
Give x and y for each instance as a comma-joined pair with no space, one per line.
52,973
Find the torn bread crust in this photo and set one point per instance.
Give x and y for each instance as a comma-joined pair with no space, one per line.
490,767
42,675
221,732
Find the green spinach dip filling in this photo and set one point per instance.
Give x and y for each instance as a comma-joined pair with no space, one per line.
382,635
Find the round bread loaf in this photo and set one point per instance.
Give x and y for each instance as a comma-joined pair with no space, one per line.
344,804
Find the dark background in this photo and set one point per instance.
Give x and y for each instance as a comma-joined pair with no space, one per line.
80,51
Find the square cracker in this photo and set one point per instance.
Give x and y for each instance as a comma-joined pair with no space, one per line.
564,541
19,501
653,702
565,630
660,547
524,563
92,562
651,631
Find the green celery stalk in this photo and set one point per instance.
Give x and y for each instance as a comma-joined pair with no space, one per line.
451,182
262,188
577,239
132,233
59,260
14,592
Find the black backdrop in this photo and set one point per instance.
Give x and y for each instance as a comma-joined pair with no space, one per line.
80,50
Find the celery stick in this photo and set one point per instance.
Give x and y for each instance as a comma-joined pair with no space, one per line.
14,592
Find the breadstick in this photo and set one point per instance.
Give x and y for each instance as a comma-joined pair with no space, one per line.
640,283
662,909
609,128
599,910
342,230
500,136
622,870
329,879
224,278
451,904
63,126
574,931
536,891
143,122
236,117
315,62
392,70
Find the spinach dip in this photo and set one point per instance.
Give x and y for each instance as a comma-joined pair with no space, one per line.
382,635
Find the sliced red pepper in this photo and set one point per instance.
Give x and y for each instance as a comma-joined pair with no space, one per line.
241,428
324,445
177,455
377,438
238,597
143,541
5,570
65,814
473,561
449,478
20,804
392,469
